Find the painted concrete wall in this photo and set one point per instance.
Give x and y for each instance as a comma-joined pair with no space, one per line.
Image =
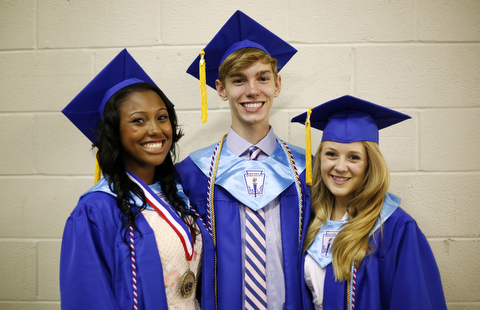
421,57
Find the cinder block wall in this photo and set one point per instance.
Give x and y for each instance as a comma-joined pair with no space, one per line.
421,57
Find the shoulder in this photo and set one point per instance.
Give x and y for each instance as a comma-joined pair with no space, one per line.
197,161
397,227
183,164
400,218
97,197
295,155
392,213
101,186
296,150
186,167
400,229
202,153
97,208
206,152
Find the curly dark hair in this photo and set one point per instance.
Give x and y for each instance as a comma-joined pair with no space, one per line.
110,158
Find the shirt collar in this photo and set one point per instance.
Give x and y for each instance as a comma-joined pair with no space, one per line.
239,145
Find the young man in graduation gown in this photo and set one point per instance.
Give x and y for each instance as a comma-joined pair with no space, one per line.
226,184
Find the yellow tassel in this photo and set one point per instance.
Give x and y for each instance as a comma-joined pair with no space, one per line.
203,86
308,148
98,171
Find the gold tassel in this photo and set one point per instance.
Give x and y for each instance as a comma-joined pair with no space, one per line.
308,148
98,171
203,86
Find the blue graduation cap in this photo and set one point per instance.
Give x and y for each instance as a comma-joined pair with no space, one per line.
86,109
240,31
346,119
349,119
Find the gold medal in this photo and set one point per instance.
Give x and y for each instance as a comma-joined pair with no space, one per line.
187,284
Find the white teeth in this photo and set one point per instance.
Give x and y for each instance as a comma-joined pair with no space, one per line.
153,146
340,179
252,106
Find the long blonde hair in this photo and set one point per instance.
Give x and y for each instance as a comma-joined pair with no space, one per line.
351,243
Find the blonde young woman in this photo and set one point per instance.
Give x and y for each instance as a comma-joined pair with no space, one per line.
362,250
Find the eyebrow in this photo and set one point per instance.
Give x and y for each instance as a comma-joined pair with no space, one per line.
264,72
242,75
329,148
145,112
237,75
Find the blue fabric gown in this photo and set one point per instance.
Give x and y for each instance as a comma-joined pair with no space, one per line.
95,263
400,274
228,232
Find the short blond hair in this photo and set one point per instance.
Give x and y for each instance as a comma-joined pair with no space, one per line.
244,58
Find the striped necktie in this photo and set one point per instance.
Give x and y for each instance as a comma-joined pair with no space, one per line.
253,152
255,254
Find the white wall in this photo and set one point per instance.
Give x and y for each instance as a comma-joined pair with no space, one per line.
421,57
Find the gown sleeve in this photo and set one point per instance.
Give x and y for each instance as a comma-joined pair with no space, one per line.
415,281
87,258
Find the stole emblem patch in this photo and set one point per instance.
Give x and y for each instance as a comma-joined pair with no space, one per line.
254,182
327,240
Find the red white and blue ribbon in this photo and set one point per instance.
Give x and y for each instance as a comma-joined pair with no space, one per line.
175,221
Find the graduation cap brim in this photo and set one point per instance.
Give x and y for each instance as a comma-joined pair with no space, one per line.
349,119
84,110
238,28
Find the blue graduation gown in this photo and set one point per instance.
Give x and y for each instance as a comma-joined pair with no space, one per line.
228,232
400,274
95,263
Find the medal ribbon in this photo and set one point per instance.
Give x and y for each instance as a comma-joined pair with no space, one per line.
165,212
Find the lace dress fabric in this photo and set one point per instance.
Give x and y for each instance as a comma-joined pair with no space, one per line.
174,261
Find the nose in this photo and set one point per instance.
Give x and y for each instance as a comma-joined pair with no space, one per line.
341,165
252,88
154,128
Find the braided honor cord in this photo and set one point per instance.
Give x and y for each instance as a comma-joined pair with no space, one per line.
134,268
352,285
293,169
210,205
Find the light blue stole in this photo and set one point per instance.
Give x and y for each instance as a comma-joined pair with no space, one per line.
253,183
320,250
102,186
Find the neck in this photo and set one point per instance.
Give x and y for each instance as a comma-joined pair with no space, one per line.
146,175
253,133
339,209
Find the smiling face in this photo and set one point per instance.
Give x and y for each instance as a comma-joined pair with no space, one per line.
146,133
250,93
343,168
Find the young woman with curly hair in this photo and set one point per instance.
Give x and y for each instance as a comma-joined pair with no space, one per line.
132,242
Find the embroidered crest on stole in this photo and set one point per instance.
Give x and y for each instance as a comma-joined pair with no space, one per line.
327,240
254,182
